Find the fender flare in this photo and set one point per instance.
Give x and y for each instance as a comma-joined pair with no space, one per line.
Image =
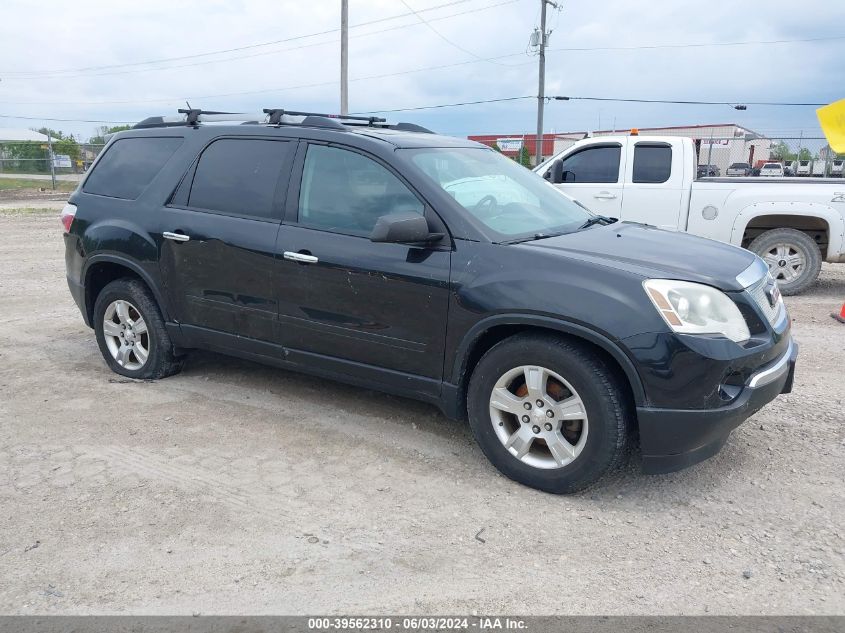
833,218
549,323
126,263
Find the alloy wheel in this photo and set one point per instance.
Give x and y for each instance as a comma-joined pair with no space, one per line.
538,417
126,335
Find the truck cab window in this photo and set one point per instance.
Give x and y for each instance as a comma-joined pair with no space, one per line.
594,164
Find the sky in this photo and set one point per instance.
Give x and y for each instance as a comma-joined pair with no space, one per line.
90,61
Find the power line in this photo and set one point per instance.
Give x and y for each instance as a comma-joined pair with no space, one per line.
44,118
686,102
264,90
34,73
446,105
444,38
478,102
55,74
427,107
388,75
699,44
270,52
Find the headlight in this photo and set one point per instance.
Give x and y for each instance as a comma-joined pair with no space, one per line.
692,308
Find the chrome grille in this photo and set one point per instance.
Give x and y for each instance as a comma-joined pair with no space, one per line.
758,292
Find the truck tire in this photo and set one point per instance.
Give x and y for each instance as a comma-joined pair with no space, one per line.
794,259
548,412
130,332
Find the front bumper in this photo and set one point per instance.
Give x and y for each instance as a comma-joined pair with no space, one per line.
672,439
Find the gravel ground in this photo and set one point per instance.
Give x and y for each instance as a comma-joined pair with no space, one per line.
238,488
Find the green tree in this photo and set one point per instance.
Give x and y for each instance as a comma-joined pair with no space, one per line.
524,158
780,151
24,157
63,144
100,137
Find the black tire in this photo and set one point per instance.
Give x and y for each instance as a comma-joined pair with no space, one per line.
799,241
599,387
161,361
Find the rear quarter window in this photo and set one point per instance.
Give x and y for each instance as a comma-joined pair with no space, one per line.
129,166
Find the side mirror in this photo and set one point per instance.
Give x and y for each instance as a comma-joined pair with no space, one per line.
405,227
556,172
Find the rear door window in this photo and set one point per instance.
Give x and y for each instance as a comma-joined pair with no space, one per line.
240,177
652,163
129,166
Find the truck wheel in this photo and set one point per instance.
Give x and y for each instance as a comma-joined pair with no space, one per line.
548,412
130,332
793,257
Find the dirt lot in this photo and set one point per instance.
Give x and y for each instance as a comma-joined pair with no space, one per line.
27,189
237,488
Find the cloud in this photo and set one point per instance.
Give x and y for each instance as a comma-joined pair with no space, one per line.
87,33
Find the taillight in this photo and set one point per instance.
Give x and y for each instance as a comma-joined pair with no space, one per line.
68,213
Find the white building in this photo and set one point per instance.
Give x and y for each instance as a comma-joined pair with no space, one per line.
15,134
718,144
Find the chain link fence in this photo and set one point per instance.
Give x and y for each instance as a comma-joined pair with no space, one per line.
745,155
37,158
735,151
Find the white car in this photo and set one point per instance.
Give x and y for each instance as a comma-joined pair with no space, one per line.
792,224
805,168
771,169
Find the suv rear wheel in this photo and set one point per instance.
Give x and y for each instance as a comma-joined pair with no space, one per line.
130,332
548,412
793,257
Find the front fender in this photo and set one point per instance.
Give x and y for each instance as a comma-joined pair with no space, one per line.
549,323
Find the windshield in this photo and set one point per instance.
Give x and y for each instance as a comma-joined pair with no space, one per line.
739,166
772,166
506,197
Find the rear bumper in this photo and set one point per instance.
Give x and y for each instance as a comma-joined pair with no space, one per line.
672,439
77,291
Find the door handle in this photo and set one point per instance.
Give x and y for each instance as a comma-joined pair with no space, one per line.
302,258
605,195
176,237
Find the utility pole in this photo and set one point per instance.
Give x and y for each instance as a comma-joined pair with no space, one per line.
50,157
541,90
344,56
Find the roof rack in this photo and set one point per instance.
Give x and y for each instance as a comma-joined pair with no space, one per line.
192,117
275,116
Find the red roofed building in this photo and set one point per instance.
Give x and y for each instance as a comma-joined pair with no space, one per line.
511,144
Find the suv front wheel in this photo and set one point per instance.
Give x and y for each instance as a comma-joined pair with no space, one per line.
130,332
548,412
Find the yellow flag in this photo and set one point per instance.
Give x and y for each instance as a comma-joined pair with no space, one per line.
832,120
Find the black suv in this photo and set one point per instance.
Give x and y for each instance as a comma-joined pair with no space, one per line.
432,267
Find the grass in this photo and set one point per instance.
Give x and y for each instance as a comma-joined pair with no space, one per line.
18,184
27,211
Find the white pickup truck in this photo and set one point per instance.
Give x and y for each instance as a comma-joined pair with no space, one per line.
792,224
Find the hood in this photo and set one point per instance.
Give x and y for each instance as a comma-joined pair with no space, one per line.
654,253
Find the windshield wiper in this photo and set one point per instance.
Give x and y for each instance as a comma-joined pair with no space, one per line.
598,219
536,236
